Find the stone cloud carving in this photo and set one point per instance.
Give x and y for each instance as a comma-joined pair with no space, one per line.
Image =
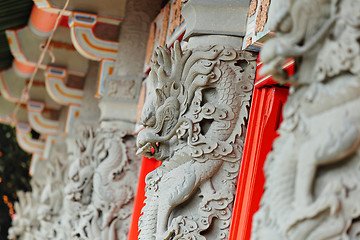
195,116
312,188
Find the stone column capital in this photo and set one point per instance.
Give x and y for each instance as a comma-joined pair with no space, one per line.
220,17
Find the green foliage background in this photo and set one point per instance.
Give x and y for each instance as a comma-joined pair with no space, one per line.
14,173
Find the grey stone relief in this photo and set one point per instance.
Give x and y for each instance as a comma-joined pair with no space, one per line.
100,172
312,188
86,195
40,213
102,182
195,116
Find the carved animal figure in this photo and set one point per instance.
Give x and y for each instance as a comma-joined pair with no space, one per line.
195,121
312,187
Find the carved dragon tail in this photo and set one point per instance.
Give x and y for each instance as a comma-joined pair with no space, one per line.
147,221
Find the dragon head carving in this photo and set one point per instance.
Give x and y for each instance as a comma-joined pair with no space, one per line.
185,98
166,101
81,172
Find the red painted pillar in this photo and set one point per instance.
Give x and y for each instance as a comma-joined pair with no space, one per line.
147,166
265,116
264,120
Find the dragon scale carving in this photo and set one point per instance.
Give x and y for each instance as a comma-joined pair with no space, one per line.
312,188
195,117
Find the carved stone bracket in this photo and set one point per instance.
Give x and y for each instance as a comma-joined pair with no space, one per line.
123,86
195,118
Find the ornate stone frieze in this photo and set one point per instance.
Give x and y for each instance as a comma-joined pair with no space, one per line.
262,16
195,117
312,188
252,7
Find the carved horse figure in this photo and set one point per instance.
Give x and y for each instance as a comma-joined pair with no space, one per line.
195,121
312,175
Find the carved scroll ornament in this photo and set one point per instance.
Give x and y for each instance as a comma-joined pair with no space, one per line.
195,116
312,188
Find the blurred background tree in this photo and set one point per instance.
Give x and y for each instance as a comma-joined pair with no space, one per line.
14,163
14,175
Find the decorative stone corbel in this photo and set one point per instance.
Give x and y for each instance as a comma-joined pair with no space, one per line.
25,141
106,69
86,43
38,122
195,118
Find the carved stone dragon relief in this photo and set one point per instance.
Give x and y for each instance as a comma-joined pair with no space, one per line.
312,188
90,199
102,183
39,213
50,210
25,223
79,186
195,117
